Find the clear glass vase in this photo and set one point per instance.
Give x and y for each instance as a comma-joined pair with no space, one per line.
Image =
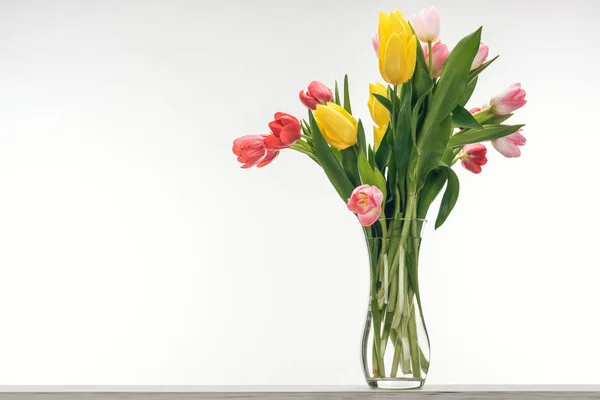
395,345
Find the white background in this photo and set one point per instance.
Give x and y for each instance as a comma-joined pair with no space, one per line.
133,250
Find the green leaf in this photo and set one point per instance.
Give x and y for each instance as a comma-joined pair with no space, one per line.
382,156
384,101
370,176
450,195
329,162
466,96
336,96
488,132
347,95
474,74
433,185
367,176
380,183
372,161
451,86
433,151
422,83
305,128
403,137
463,118
349,162
362,140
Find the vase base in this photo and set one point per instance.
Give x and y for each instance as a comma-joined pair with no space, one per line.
396,383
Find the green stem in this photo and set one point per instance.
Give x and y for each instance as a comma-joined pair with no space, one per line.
430,59
303,150
414,345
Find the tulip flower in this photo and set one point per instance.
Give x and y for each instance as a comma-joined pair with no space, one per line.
317,93
439,53
397,49
508,146
251,151
366,202
475,110
427,25
285,131
472,157
509,100
337,126
380,114
481,56
375,41
378,134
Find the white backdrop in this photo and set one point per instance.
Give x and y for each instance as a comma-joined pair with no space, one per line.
133,250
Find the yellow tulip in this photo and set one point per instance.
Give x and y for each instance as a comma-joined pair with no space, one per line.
397,48
337,126
378,133
379,113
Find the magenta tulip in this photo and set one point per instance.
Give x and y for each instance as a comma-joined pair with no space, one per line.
473,157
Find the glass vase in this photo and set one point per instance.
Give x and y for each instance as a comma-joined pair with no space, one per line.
395,345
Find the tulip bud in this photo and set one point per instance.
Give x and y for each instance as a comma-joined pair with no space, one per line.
378,134
427,24
286,130
251,151
338,127
366,201
380,114
481,56
473,156
398,48
317,93
509,100
508,146
439,53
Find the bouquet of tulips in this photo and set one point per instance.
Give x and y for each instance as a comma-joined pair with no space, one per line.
421,130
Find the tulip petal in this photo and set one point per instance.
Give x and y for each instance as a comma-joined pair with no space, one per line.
271,155
410,60
393,59
273,142
369,218
290,133
275,127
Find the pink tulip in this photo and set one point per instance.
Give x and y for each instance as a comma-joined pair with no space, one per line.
509,100
366,202
508,146
481,56
375,40
475,110
285,131
439,53
251,151
427,24
317,93
472,157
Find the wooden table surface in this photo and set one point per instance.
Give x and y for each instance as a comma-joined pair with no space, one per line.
296,392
